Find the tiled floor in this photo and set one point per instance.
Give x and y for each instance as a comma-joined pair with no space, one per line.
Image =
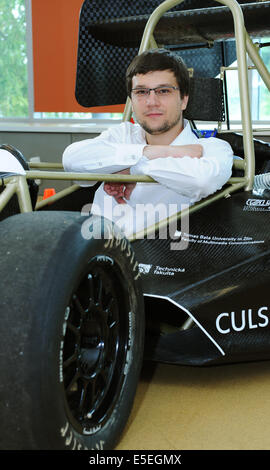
179,408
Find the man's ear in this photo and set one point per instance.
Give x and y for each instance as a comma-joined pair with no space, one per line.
184,102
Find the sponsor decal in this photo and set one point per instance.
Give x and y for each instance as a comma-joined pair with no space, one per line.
246,319
159,270
215,240
258,202
144,268
257,205
165,271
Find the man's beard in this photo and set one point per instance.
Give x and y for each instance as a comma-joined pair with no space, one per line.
165,127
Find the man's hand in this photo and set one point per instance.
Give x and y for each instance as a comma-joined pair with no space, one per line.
120,191
176,151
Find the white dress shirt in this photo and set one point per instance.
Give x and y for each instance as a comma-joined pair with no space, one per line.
180,181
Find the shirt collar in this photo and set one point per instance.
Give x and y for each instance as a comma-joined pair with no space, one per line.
185,135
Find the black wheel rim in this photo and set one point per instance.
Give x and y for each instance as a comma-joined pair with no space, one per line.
95,345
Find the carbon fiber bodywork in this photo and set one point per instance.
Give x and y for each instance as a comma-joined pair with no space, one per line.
220,281
110,35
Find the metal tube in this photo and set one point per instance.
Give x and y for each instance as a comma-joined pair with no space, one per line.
55,175
239,164
241,41
23,194
127,111
45,165
240,38
153,20
197,206
57,196
51,175
257,61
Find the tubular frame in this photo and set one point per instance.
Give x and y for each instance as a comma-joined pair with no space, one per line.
244,46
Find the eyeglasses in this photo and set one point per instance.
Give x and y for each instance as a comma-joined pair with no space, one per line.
160,91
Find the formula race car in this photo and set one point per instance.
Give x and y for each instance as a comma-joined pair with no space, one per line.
82,306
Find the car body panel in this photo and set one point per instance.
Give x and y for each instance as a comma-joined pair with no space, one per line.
220,281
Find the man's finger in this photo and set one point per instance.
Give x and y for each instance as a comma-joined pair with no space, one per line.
128,190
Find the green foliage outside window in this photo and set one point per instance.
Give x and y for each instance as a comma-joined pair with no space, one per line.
13,59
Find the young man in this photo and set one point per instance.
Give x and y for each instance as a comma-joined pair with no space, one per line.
161,145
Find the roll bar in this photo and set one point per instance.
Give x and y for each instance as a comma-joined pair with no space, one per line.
243,45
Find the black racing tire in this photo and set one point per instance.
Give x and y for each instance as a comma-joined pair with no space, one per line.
71,332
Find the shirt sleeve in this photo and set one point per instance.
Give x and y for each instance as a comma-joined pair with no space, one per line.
108,153
194,178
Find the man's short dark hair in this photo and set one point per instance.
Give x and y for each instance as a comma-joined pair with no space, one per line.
155,60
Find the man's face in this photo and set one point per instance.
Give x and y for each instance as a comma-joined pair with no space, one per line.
158,114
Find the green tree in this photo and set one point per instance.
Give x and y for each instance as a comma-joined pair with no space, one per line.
13,59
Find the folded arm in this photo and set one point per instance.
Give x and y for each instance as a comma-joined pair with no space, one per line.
192,177
112,152
195,170
108,153
122,191
152,152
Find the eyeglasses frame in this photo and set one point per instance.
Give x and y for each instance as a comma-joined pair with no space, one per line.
148,90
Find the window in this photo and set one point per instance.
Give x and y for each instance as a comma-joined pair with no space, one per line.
13,60
259,94
16,75
263,95
16,69
78,116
